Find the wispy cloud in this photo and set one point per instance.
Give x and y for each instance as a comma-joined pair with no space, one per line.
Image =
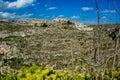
108,11
33,4
104,17
60,16
87,8
51,8
46,5
18,4
2,5
75,17
6,15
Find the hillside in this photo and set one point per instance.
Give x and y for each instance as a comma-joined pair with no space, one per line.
59,43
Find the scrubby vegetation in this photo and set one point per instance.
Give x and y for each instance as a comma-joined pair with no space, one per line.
64,48
35,72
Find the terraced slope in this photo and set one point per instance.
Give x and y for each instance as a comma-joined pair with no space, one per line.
54,44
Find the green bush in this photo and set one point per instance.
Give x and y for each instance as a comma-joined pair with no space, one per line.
42,73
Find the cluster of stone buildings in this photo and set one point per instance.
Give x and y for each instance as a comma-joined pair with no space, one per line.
79,26
56,21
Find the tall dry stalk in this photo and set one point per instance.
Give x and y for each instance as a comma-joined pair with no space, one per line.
97,39
97,36
72,57
117,47
117,43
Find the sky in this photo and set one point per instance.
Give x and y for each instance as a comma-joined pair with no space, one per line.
83,11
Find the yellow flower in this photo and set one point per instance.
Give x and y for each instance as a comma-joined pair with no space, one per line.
19,75
28,75
45,72
39,77
53,76
37,71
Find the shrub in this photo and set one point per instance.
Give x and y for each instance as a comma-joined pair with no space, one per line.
42,73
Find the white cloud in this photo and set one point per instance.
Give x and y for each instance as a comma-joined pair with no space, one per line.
19,3
6,15
60,16
75,17
33,4
108,11
51,8
87,8
104,17
26,15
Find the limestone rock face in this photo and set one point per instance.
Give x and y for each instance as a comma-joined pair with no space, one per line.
83,27
2,49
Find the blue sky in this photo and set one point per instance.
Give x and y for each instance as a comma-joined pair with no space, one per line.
77,10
